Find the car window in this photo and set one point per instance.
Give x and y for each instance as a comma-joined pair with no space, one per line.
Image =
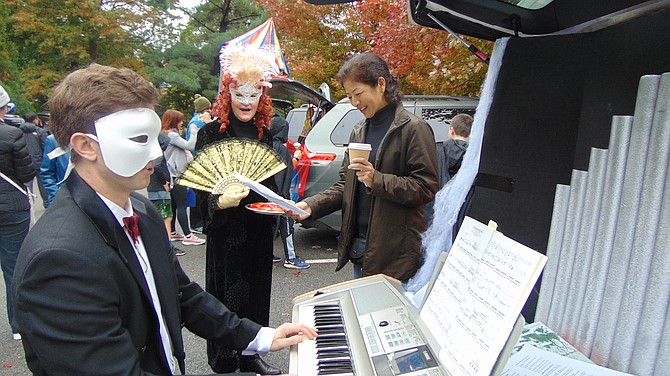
341,132
440,119
296,120
529,4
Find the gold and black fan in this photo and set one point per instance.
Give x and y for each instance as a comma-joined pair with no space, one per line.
213,167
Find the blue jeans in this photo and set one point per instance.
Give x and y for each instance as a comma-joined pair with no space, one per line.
286,230
14,227
358,271
179,197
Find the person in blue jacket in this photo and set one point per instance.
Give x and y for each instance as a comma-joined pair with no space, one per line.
52,172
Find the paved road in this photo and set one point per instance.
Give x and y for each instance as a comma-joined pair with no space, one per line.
316,246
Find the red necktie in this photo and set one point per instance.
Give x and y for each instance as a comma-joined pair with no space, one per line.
130,224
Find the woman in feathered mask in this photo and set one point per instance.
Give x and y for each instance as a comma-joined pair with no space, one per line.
239,241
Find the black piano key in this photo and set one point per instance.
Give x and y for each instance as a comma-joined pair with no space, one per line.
331,343
335,308
331,336
334,361
331,328
328,319
336,372
338,367
332,349
342,340
329,331
333,355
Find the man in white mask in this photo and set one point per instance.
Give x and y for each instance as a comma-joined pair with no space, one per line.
97,289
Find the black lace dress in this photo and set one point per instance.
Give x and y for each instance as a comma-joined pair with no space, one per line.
239,249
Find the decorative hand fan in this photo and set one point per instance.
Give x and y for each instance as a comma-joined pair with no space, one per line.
212,168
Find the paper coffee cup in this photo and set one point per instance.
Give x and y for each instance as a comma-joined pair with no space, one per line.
357,150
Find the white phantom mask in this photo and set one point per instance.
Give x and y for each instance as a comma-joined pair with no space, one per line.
247,93
128,140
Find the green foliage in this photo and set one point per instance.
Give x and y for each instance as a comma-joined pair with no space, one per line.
191,65
43,40
52,38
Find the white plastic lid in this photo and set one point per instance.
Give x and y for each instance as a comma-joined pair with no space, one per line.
358,146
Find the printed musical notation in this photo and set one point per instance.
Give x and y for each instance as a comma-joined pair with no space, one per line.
478,295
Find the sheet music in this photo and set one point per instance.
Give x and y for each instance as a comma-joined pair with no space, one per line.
531,361
477,297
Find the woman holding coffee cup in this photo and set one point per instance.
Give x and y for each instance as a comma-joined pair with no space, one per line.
388,174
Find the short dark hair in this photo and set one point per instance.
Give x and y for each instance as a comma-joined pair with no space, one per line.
462,124
91,93
366,68
29,117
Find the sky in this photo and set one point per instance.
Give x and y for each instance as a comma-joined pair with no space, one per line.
186,4
190,3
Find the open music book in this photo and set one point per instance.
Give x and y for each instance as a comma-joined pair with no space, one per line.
475,300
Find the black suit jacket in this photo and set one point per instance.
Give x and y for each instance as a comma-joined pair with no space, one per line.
82,304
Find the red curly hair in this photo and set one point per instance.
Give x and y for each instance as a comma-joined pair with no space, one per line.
222,106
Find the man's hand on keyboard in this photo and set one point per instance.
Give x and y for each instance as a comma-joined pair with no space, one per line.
291,334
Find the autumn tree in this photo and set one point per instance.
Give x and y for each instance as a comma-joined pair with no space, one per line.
191,65
428,61
317,39
52,38
218,16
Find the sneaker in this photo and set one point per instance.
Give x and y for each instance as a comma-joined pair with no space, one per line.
295,263
16,336
174,236
197,230
192,240
178,252
276,258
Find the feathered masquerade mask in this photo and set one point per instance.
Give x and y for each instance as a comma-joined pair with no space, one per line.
250,67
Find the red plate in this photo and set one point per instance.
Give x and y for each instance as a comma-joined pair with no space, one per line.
269,208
